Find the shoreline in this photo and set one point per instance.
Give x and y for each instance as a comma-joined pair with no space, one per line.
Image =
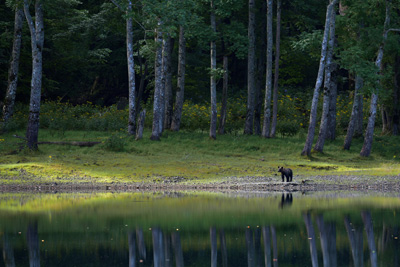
229,184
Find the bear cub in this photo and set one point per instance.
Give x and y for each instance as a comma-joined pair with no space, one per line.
286,172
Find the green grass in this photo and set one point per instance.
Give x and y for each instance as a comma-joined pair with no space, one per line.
191,155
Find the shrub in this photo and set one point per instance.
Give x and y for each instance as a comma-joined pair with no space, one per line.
116,142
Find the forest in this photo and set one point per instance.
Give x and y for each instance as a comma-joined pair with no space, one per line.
256,67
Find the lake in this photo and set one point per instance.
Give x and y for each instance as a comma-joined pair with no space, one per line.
200,229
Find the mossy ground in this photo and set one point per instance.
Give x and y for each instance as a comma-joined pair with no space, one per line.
189,155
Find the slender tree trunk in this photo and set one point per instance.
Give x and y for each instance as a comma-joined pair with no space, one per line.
168,84
176,120
314,105
396,112
37,39
268,84
213,86
165,48
8,108
319,146
158,87
276,78
367,146
143,79
354,113
251,68
222,119
261,70
331,134
131,71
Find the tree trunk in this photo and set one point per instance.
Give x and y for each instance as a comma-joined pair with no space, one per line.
319,146
165,48
276,78
314,105
213,86
140,128
268,84
261,70
369,133
396,111
176,120
158,87
131,71
37,39
354,113
143,79
251,67
9,100
168,83
331,134
222,119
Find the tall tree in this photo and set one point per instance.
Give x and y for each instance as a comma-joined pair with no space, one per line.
168,82
213,83
251,68
354,112
36,29
222,119
131,66
369,132
9,100
328,85
268,84
180,90
158,87
314,105
276,78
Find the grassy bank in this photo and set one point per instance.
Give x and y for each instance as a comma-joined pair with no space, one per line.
184,156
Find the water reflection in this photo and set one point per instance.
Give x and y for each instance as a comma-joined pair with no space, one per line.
210,234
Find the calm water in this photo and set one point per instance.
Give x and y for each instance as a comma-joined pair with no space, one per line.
199,229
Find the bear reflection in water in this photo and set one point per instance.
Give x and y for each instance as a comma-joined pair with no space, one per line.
286,200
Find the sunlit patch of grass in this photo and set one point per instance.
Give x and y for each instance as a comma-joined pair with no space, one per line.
190,155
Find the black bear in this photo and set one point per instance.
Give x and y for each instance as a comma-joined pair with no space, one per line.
286,172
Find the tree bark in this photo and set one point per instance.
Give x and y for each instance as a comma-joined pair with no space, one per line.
140,128
222,119
314,105
251,67
261,70
276,78
396,112
369,133
176,120
331,134
319,146
37,39
131,71
9,100
354,113
168,83
213,85
158,87
268,84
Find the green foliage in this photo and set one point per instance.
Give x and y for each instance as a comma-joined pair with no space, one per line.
288,128
116,142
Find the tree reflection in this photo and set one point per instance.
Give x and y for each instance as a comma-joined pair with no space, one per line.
274,245
158,251
132,249
367,219
267,246
176,243
141,243
33,245
214,252
8,252
356,242
311,239
328,241
224,250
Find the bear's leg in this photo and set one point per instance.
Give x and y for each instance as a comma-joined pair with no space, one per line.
283,177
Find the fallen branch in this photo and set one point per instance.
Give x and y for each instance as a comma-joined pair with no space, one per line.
71,143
